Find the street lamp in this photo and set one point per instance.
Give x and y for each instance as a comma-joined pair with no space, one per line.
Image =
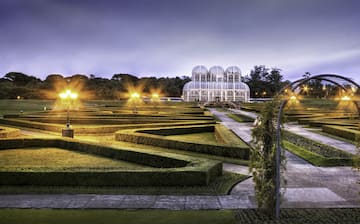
134,97
67,97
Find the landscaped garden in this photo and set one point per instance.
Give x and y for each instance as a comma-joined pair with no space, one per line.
170,148
335,118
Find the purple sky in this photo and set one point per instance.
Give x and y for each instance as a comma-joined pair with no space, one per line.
170,37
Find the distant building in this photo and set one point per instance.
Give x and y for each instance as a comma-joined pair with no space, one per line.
216,85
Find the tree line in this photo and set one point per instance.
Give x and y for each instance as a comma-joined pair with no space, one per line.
263,82
15,84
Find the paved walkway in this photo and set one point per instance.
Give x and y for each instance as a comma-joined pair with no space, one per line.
306,132
307,186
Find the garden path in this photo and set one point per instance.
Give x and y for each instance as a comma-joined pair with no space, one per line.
307,185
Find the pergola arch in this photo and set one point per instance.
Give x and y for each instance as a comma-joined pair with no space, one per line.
293,86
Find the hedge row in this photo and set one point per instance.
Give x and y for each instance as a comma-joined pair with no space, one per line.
315,158
189,171
315,146
320,122
96,129
344,132
6,132
178,130
139,136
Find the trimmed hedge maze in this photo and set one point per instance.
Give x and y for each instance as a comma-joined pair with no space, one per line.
167,169
172,126
108,117
231,146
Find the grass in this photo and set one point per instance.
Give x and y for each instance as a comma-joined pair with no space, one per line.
314,158
240,118
97,216
55,159
204,137
220,186
27,106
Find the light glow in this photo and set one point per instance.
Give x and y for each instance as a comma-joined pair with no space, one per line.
68,94
345,98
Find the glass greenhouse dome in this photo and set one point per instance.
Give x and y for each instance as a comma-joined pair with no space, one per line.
216,84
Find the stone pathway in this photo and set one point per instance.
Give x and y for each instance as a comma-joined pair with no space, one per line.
307,185
306,132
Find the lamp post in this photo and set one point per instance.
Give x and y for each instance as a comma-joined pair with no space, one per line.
134,97
68,96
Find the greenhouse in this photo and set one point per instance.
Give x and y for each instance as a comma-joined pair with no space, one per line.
216,84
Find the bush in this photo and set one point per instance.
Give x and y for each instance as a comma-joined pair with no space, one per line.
314,158
344,132
314,146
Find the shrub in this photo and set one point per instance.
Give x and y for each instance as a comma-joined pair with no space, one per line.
314,158
344,132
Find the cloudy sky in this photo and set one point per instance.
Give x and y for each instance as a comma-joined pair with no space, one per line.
170,37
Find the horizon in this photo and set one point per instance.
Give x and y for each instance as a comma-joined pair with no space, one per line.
167,39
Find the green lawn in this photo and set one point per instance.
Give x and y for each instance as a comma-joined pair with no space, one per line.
15,106
240,118
55,159
203,137
96,216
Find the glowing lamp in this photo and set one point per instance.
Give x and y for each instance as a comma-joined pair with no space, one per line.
67,96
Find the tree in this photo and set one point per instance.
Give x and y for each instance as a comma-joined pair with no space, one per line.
264,82
263,157
20,79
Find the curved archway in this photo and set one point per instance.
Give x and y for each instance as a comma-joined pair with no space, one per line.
331,78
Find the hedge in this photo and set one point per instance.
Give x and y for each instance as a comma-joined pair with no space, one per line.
97,129
172,169
344,132
320,122
6,132
142,136
315,152
315,158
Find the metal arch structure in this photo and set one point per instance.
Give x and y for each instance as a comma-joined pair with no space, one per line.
293,86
